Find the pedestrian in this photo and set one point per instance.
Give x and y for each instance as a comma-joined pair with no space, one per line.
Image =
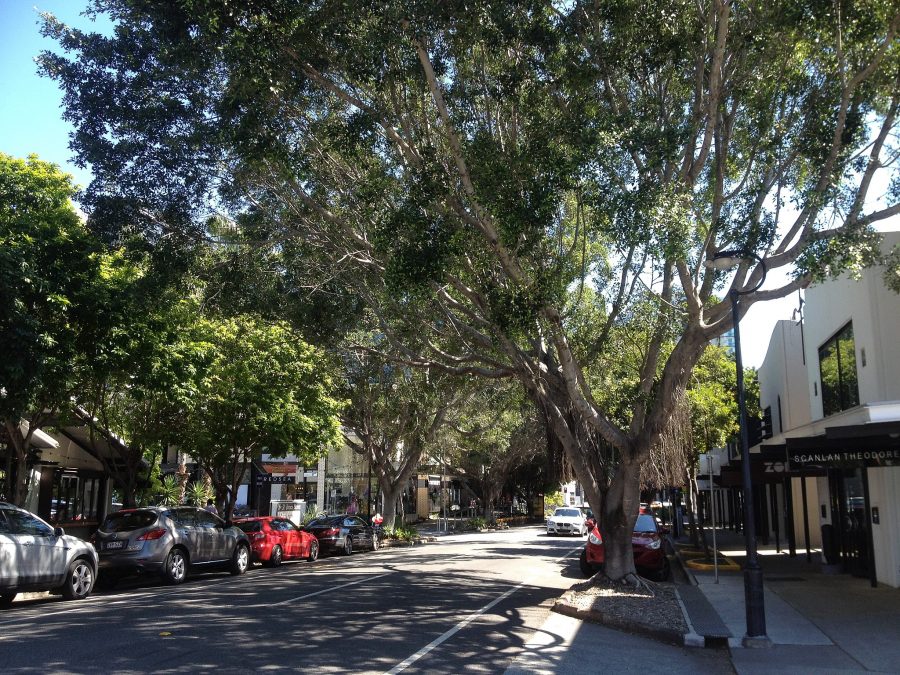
211,507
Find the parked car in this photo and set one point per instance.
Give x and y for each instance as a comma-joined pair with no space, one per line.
344,534
646,542
169,541
275,539
567,520
37,557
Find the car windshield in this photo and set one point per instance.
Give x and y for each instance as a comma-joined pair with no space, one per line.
645,524
250,526
123,521
567,513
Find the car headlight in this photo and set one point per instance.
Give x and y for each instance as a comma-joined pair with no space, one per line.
551,523
654,544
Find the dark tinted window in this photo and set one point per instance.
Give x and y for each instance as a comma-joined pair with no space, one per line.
22,522
645,523
325,522
837,371
124,521
208,520
183,517
250,526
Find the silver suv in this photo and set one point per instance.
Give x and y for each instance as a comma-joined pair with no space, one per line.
37,557
169,541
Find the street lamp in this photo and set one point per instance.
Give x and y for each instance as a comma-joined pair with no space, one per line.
753,576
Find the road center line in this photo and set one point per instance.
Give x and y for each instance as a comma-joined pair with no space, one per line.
403,665
329,589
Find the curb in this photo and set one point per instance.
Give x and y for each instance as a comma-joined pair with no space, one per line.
667,636
729,566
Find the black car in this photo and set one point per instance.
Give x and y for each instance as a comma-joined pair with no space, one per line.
343,533
169,541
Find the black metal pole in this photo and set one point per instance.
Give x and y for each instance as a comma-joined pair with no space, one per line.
753,578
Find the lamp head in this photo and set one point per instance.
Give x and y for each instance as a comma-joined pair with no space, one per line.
726,260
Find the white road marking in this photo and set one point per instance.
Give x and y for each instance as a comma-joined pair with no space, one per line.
403,665
328,590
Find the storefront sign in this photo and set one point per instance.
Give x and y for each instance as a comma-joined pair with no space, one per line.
843,457
276,479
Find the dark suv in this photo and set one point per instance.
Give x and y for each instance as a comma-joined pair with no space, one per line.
169,541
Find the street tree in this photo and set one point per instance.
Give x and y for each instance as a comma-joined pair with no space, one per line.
50,283
261,389
487,162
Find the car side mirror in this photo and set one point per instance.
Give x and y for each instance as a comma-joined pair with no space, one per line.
591,523
58,532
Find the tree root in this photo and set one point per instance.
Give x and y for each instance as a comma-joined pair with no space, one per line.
633,581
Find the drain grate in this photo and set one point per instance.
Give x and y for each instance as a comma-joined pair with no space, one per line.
784,579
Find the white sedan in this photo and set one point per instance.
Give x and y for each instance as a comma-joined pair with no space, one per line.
567,521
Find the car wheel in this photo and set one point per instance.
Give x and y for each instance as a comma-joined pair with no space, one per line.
79,580
6,599
586,568
348,546
276,557
240,561
313,551
176,567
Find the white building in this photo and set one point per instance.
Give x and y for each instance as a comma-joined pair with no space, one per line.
832,383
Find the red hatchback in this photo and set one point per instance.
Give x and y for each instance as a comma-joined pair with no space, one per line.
275,539
646,542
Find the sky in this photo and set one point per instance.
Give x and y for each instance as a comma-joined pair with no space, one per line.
31,122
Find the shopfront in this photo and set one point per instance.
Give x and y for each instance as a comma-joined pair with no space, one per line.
858,491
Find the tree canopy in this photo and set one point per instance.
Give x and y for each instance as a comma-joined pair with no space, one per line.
489,173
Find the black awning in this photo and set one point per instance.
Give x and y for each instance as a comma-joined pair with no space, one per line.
844,451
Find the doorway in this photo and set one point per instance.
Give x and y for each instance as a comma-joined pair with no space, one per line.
849,505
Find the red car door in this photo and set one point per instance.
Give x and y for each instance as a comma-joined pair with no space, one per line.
285,529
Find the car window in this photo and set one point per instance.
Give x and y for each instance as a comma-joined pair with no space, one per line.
207,520
124,521
645,524
349,522
4,524
250,526
183,517
22,522
325,522
567,513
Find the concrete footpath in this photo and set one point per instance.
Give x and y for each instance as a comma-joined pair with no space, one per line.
817,623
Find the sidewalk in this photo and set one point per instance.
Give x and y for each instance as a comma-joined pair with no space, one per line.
817,623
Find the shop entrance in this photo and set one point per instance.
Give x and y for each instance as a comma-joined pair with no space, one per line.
849,505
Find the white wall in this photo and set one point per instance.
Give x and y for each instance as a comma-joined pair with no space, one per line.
783,374
875,312
884,494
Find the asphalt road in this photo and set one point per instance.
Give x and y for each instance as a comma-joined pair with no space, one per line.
467,603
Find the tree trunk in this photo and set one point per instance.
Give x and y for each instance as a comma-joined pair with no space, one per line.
391,495
620,509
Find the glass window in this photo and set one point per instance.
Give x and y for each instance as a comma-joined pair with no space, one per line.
207,520
125,521
75,497
645,523
183,517
837,371
4,524
250,526
22,522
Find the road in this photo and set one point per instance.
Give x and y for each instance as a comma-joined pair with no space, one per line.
467,603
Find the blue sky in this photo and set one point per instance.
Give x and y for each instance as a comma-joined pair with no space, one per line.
30,105
31,122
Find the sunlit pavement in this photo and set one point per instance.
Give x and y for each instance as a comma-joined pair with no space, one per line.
464,603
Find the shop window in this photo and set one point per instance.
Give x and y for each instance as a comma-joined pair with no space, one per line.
837,372
75,498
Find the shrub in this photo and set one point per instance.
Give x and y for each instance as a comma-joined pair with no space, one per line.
401,533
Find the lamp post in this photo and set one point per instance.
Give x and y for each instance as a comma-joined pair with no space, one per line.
753,576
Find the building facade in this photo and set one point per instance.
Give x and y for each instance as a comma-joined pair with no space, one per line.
831,383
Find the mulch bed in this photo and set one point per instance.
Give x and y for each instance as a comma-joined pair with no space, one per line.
653,610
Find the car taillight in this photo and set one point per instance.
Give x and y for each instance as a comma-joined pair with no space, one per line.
595,539
152,535
258,536
330,531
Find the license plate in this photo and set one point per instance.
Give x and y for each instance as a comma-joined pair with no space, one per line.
110,545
